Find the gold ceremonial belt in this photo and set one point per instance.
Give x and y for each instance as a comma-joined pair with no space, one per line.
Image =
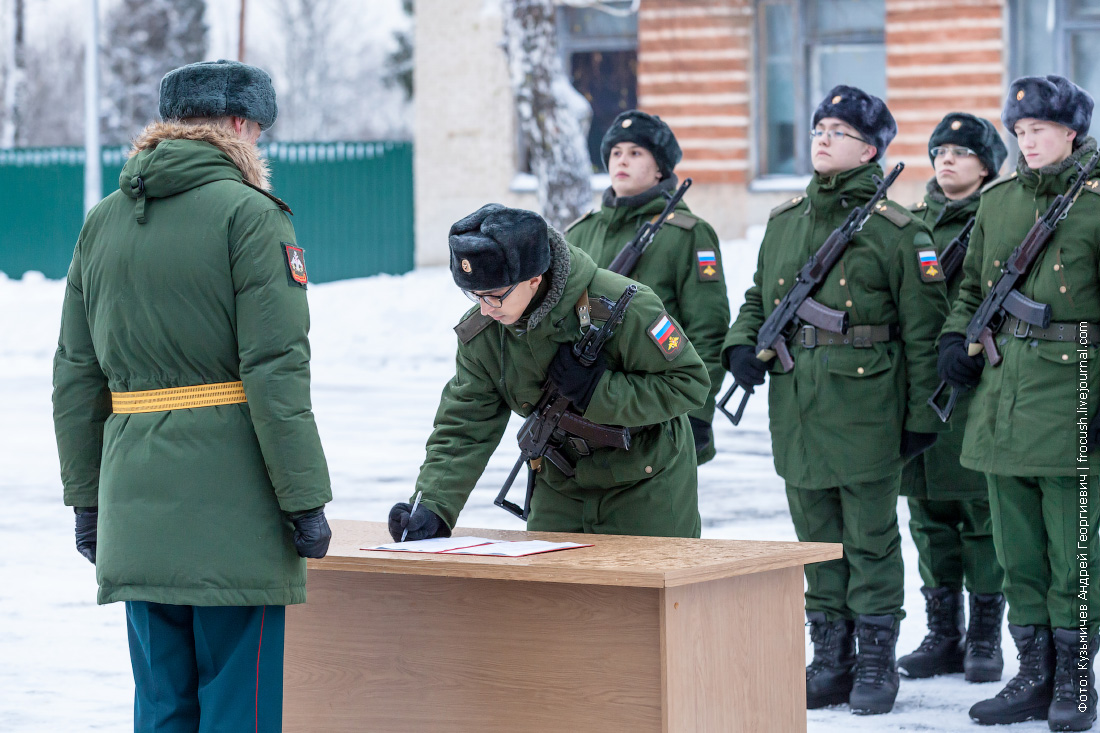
178,398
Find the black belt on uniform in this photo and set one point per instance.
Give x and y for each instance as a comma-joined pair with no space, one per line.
858,337
1064,331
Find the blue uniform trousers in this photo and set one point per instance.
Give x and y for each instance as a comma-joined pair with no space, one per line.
206,669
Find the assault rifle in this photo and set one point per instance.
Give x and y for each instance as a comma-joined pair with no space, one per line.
551,424
627,259
797,307
951,259
1004,299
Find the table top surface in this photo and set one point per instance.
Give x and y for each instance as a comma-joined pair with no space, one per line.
646,562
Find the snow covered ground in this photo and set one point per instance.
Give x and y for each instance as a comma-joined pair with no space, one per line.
64,665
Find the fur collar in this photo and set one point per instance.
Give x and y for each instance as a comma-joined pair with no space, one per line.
559,274
242,154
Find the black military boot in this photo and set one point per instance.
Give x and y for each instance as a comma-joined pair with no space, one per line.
876,684
1074,706
829,676
983,661
941,652
1027,696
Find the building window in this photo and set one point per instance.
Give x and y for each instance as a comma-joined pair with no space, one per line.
600,53
805,48
1058,37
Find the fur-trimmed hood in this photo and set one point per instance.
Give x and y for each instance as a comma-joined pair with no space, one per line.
165,159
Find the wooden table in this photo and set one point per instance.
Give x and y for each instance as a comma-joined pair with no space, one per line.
635,634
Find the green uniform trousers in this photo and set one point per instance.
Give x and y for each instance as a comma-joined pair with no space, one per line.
869,579
954,539
1045,531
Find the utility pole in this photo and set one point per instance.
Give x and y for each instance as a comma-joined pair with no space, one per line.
93,173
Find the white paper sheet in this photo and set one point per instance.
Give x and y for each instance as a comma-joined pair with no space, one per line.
515,549
436,544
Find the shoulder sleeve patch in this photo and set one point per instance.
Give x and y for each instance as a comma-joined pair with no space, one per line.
295,265
929,261
785,206
472,325
706,261
579,219
667,335
895,217
681,219
278,201
997,182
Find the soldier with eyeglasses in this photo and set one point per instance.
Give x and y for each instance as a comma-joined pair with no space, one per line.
948,504
850,411
534,295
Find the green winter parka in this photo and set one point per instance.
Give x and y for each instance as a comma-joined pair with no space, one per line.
647,490
182,278
837,417
936,473
675,267
1024,414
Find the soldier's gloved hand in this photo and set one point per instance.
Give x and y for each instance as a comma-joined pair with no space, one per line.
87,534
744,366
955,366
913,444
575,380
701,432
424,524
311,532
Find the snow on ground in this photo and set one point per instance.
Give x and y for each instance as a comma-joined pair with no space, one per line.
382,350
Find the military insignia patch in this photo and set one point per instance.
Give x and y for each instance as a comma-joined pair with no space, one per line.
930,270
707,262
295,265
667,336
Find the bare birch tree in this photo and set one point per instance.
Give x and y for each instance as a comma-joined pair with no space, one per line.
15,77
553,116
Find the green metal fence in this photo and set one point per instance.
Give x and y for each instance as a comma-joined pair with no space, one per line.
352,202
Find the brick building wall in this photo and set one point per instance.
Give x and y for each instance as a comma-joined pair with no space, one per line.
694,61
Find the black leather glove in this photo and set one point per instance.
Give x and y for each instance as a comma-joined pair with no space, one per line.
87,522
423,525
955,366
701,432
575,380
913,444
744,366
311,532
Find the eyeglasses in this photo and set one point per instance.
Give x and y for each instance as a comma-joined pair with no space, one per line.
941,150
836,135
493,301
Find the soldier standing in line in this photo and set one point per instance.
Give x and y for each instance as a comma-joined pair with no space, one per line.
949,504
1022,430
683,265
853,407
534,294
182,408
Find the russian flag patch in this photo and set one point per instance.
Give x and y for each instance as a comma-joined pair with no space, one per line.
930,270
707,261
669,339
